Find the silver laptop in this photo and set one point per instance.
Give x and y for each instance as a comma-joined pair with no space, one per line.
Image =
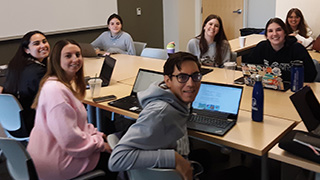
143,80
105,73
87,50
215,109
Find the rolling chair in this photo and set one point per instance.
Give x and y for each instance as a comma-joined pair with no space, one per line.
139,46
20,164
148,173
155,53
10,119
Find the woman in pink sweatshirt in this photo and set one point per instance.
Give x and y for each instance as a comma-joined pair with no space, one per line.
62,144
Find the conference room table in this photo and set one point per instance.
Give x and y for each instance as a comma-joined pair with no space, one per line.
251,41
247,136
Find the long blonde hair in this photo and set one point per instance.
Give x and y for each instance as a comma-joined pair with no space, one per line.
54,69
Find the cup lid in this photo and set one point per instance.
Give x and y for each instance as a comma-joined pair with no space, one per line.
95,80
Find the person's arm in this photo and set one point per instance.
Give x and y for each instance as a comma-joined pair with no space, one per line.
98,42
145,144
310,71
130,46
64,120
183,166
193,47
304,41
226,52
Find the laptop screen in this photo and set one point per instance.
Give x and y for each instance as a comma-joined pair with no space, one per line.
107,69
221,98
144,79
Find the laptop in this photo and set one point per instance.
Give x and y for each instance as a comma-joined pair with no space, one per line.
205,71
308,108
105,73
143,80
271,76
216,108
87,50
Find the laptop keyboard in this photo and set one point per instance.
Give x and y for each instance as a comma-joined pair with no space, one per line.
210,121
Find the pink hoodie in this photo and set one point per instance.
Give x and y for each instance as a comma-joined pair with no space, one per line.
62,144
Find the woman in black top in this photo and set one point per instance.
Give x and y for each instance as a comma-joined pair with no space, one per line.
280,49
25,70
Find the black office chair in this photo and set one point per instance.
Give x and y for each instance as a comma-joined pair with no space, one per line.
20,164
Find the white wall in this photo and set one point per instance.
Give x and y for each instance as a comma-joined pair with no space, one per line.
309,8
182,21
18,17
259,12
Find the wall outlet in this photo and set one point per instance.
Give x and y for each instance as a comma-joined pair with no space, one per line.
138,11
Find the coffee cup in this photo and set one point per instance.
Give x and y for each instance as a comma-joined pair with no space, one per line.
242,41
230,68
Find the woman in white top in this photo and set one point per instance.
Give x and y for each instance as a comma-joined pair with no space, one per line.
211,46
298,27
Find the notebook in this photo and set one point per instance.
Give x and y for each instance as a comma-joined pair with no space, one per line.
143,80
216,108
308,108
271,76
105,73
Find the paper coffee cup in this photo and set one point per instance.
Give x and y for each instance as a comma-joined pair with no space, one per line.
242,41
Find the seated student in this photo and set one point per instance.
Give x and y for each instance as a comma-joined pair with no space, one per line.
211,46
298,27
62,144
114,40
159,137
280,49
25,71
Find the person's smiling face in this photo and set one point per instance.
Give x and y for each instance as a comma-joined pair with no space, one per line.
115,26
276,36
38,47
71,60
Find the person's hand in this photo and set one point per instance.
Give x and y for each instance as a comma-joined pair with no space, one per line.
107,147
1,89
292,34
183,166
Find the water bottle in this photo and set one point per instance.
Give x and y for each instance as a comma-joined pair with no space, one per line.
257,100
171,47
297,75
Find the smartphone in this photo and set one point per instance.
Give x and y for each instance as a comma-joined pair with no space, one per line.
104,98
239,80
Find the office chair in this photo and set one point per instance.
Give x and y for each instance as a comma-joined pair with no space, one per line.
20,164
154,53
139,46
148,173
10,119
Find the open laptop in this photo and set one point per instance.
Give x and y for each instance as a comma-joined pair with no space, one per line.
105,73
87,50
216,108
143,80
271,76
308,108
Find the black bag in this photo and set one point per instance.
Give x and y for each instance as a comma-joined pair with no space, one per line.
302,144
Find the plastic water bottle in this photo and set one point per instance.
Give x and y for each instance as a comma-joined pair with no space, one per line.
257,100
297,75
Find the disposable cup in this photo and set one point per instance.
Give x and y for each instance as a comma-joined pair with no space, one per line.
242,41
95,86
229,69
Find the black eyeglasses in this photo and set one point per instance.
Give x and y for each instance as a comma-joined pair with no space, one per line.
183,78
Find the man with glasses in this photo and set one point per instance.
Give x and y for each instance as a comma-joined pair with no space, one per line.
159,137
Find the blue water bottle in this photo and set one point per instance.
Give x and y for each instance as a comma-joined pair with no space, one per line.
257,100
297,75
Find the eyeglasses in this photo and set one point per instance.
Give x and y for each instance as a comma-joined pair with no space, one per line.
183,78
